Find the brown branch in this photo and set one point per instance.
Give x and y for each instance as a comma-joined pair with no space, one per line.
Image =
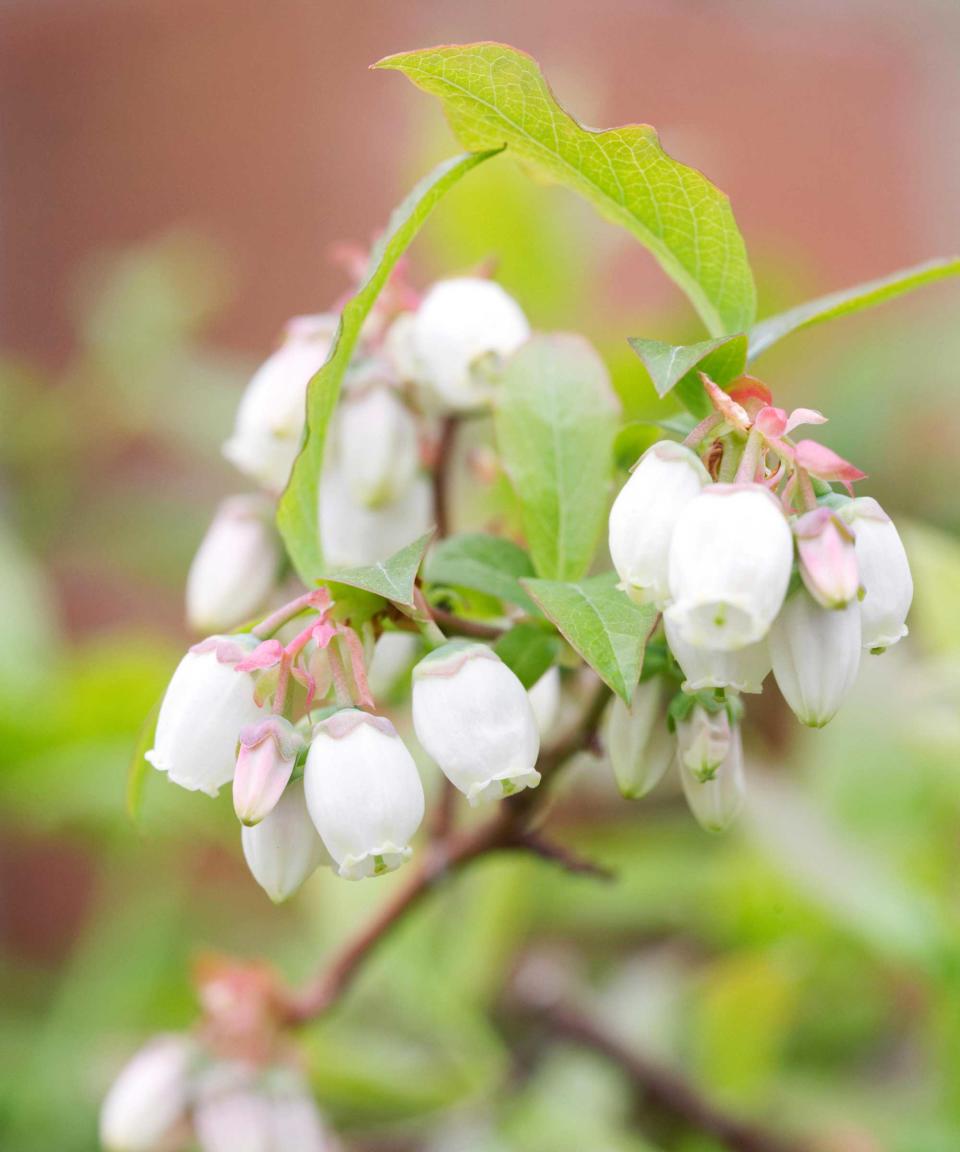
454,625
658,1086
441,475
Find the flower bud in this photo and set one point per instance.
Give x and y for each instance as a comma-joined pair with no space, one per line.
743,670
816,656
474,718
710,757
147,1102
284,849
270,419
458,322
544,697
238,1112
638,741
268,752
730,561
644,514
236,565
206,704
884,573
354,534
828,561
378,447
399,348
363,793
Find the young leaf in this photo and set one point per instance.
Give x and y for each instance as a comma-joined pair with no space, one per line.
602,623
297,515
774,328
555,420
494,95
487,564
392,579
528,650
678,366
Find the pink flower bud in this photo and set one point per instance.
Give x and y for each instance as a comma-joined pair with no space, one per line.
828,560
265,762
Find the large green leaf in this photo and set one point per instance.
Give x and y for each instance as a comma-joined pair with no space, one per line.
392,579
555,420
861,296
297,515
602,624
678,366
487,564
494,95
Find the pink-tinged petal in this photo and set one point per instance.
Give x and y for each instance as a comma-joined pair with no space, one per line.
734,415
227,650
265,655
355,648
825,464
828,562
265,763
751,393
322,633
772,422
803,416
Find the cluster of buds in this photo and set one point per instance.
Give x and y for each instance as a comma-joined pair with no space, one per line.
233,1083
738,537
318,777
420,358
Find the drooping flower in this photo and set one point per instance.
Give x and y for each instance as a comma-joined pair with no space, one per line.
460,321
710,758
828,561
270,419
355,534
377,447
637,740
816,656
742,670
268,752
884,573
730,561
284,849
147,1103
363,793
643,517
544,697
474,718
240,1111
206,704
235,567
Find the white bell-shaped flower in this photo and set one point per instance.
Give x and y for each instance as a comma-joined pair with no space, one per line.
666,478
884,573
460,321
236,565
377,445
474,718
730,561
284,849
710,758
206,704
353,534
638,741
816,656
363,793
544,697
269,425
743,670
393,656
237,1111
147,1103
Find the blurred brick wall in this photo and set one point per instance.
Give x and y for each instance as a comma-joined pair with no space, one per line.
257,122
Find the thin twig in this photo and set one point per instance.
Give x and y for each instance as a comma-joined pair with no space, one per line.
441,475
658,1086
455,625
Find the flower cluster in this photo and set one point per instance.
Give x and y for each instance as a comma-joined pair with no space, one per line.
756,563
420,358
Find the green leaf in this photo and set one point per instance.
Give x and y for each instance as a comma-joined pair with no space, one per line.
528,650
555,420
494,95
602,623
297,515
774,328
139,769
392,579
487,564
678,366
